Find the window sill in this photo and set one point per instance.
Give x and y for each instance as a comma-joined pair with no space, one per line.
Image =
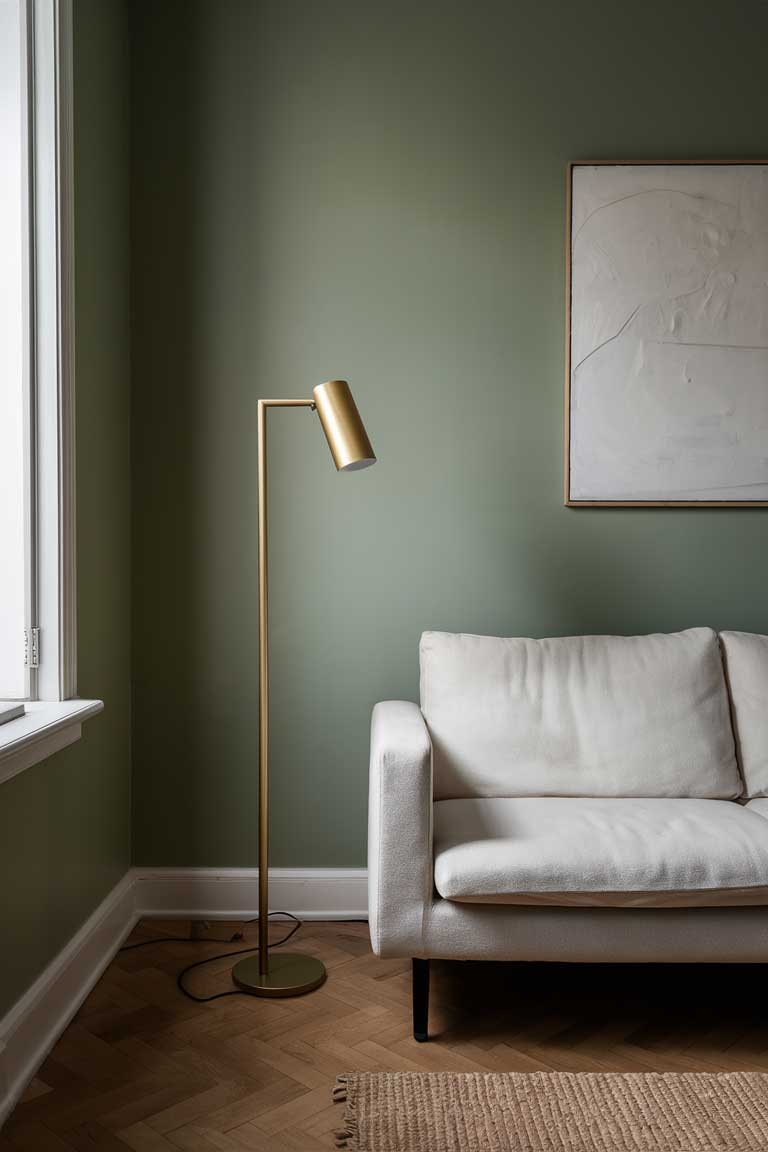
45,727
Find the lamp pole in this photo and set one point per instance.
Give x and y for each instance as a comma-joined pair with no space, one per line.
263,407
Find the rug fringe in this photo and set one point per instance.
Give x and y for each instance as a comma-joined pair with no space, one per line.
340,1090
345,1138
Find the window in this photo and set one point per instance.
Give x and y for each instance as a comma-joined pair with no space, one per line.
37,634
37,570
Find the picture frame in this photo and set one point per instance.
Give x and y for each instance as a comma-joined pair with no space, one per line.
710,444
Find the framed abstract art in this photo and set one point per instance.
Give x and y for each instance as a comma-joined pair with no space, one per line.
667,334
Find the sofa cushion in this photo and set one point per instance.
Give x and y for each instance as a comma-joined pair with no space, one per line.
619,853
746,666
578,716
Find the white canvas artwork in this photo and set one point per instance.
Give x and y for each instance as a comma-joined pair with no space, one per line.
668,366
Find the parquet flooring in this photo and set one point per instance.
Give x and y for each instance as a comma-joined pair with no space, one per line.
143,1068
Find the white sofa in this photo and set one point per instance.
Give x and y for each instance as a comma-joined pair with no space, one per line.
591,798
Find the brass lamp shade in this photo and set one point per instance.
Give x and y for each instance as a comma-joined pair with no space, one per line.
344,430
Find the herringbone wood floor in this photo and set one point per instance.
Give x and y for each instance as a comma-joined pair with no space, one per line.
143,1068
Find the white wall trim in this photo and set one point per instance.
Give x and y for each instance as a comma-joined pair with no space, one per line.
232,893
35,1022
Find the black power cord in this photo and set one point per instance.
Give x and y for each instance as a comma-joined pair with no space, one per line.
221,956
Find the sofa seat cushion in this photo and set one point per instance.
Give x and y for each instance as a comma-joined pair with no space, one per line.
603,851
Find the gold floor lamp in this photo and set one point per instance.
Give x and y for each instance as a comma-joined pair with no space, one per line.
291,973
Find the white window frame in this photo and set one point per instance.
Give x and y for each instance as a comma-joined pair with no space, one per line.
53,711
52,352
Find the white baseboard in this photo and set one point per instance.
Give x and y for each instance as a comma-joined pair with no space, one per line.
232,893
35,1022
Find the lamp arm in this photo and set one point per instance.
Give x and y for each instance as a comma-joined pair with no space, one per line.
288,403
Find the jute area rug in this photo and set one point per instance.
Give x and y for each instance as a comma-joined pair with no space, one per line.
552,1112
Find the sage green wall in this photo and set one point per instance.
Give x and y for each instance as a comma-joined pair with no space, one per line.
65,823
376,191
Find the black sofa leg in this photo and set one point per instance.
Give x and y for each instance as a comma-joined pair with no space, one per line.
420,999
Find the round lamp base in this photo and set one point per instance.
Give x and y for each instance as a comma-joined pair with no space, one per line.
290,974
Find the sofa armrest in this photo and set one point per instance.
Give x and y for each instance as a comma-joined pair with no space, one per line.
400,880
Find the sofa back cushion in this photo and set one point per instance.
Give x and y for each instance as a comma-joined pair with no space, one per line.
578,716
746,666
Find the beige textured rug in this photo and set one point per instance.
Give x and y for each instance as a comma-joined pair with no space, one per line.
553,1112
